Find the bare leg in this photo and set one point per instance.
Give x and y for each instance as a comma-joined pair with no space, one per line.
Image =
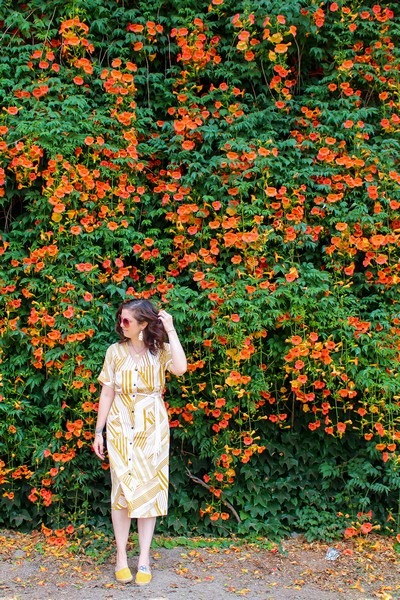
145,531
121,523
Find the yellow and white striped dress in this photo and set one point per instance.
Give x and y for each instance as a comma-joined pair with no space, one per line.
137,430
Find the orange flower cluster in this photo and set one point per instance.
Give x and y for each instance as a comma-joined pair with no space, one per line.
213,514
197,50
24,161
73,32
3,473
362,526
57,537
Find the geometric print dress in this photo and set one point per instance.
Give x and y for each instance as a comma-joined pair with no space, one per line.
137,430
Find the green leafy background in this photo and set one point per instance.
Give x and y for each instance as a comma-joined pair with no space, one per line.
237,163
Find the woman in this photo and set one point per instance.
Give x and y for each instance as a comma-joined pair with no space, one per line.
131,403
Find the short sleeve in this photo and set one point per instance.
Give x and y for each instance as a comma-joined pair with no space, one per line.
107,375
166,358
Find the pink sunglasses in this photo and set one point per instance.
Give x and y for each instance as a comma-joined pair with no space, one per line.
125,322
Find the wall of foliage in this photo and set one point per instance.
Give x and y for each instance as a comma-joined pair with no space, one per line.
236,162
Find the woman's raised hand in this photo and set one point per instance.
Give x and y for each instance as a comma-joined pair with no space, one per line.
166,320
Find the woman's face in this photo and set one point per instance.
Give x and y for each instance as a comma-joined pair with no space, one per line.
129,325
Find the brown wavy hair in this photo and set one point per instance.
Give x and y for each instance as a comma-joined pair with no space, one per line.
143,310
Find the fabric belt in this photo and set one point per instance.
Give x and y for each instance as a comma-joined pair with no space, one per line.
157,425
157,430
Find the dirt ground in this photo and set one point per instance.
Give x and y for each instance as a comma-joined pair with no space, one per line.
364,569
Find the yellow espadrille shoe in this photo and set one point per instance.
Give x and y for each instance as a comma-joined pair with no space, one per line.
124,575
143,576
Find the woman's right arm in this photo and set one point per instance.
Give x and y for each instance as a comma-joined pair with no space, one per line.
106,399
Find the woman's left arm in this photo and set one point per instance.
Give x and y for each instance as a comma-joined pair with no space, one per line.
179,362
